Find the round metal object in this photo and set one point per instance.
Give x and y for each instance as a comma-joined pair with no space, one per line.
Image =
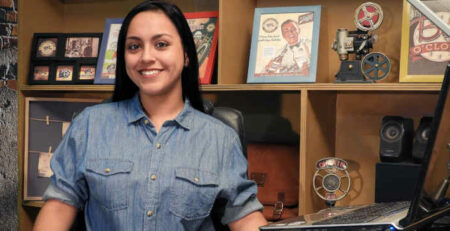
375,66
328,183
368,16
331,182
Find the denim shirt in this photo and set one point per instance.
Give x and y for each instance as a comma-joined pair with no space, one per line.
113,164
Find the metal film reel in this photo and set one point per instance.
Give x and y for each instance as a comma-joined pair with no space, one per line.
368,16
375,66
331,184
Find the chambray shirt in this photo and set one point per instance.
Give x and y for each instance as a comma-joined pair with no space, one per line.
125,176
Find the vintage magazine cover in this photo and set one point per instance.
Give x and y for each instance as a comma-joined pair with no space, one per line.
109,62
284,44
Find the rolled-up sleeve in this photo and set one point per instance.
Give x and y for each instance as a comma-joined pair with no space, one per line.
67,183
238,190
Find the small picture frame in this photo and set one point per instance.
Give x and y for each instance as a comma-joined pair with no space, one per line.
64,73
204,28
81,47
106,64
57,57
284,45
86,72
41,73
424,47
46,47
46,121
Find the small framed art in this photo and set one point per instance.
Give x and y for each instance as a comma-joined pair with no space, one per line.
46,47
106,64
57,57
40,73
425,49
204,30
64,73
284,45
81,47
86,72
46,121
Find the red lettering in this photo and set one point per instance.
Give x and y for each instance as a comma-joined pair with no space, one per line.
430,26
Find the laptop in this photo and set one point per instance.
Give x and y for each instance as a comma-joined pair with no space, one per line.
429,201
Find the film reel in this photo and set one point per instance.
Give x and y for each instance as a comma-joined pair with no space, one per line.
375,66
368,16
331,181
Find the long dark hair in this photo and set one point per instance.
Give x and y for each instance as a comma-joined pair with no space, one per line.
124,88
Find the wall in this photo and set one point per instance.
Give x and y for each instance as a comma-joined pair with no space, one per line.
8,115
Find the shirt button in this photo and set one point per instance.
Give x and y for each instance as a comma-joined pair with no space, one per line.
107,170
196,179
146,122
158,145
153,177
149,213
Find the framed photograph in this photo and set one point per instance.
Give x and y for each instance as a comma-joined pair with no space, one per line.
204,27
106,64
425,49
64,73
81,46
56,58
46,120
284,45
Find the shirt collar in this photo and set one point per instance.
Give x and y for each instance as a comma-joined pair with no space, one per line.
136,112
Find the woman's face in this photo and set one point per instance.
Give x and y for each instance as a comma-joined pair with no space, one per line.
154,55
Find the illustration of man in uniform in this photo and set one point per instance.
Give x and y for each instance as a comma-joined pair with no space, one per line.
295,56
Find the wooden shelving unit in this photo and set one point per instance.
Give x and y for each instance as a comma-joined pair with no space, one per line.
332,119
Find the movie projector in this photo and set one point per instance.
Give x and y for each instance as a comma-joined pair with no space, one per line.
367,67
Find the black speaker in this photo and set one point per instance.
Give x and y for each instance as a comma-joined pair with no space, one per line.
395,181
396,137
421,138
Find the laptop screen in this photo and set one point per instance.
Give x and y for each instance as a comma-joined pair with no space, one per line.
431,196
436,11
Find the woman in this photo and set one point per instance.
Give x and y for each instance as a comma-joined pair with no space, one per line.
151,160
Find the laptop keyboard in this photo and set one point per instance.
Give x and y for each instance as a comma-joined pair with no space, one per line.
366,214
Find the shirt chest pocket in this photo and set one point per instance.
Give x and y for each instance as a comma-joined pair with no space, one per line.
108,182
193,193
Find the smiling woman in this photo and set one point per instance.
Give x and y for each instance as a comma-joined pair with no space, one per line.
141,162
154,60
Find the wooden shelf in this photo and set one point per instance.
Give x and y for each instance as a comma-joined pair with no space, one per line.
37,204
325,87
96,88
262,87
